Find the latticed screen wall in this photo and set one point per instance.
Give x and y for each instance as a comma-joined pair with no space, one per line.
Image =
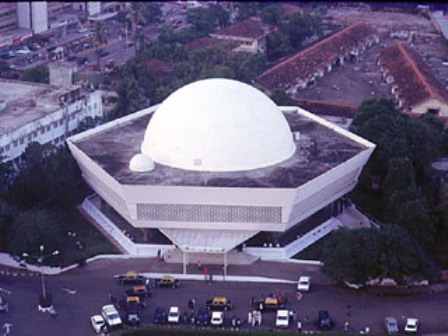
209,213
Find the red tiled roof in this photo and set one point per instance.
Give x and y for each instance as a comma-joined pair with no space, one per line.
251,28
415,80
206,41
306,62
327,108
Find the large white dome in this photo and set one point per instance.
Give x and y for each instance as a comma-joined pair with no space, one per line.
218,125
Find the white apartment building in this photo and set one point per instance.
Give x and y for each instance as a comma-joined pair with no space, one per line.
43,113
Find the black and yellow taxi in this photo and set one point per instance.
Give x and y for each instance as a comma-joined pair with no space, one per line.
219,303
167,281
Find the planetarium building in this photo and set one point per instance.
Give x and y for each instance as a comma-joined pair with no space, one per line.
218,166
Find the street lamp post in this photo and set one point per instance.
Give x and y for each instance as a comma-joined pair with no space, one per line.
40,258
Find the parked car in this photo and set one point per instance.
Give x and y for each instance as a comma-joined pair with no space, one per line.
103,53
269,303
219,303
411,325
324,320
304,284
133,317
134,301
391,325
282,318
217,318
160,316
174,315
141,291
98,323
7,54
202,317
112,317
167,281
132,278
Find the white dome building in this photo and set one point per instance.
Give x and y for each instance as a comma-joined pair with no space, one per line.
216,165
209,125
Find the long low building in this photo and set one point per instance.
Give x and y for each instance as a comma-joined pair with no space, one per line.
412,82
311,63
217,165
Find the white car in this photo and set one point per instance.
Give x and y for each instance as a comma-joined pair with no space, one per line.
217,318
411,325
98,323
112,317
174,315
282,318
304,284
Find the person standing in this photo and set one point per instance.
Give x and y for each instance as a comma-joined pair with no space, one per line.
299,327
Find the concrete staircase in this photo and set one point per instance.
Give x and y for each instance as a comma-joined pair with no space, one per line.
111,239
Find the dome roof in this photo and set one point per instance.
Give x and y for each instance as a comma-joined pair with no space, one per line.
141,163
218,125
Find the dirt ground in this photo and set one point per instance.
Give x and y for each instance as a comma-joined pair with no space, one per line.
355,81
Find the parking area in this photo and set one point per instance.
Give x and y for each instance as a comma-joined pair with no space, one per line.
81,293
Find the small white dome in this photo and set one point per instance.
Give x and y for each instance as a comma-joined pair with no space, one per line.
218,125
141,163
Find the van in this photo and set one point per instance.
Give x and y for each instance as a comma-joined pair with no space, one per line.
112,317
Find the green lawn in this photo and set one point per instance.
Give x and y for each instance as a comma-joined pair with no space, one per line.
94,243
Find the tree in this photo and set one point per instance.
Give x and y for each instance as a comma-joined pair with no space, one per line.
359,255
247,9
33,228
130,98
7,215
6,173
202,19
4,68
277,46
150,12
401,257
281,98
220,14
47,177
298,27
351,255
400,175
271,14
99,41
37,74
409,208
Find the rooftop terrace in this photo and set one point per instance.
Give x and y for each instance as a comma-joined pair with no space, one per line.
26,102
319,150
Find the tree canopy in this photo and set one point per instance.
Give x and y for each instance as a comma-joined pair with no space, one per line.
363,254
37,74
405,148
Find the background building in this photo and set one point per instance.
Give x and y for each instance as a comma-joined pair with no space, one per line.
43,113
215,166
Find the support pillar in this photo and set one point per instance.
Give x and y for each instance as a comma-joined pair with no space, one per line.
184,261
225,264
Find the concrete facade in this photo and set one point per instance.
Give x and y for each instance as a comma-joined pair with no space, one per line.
213,212
36,113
